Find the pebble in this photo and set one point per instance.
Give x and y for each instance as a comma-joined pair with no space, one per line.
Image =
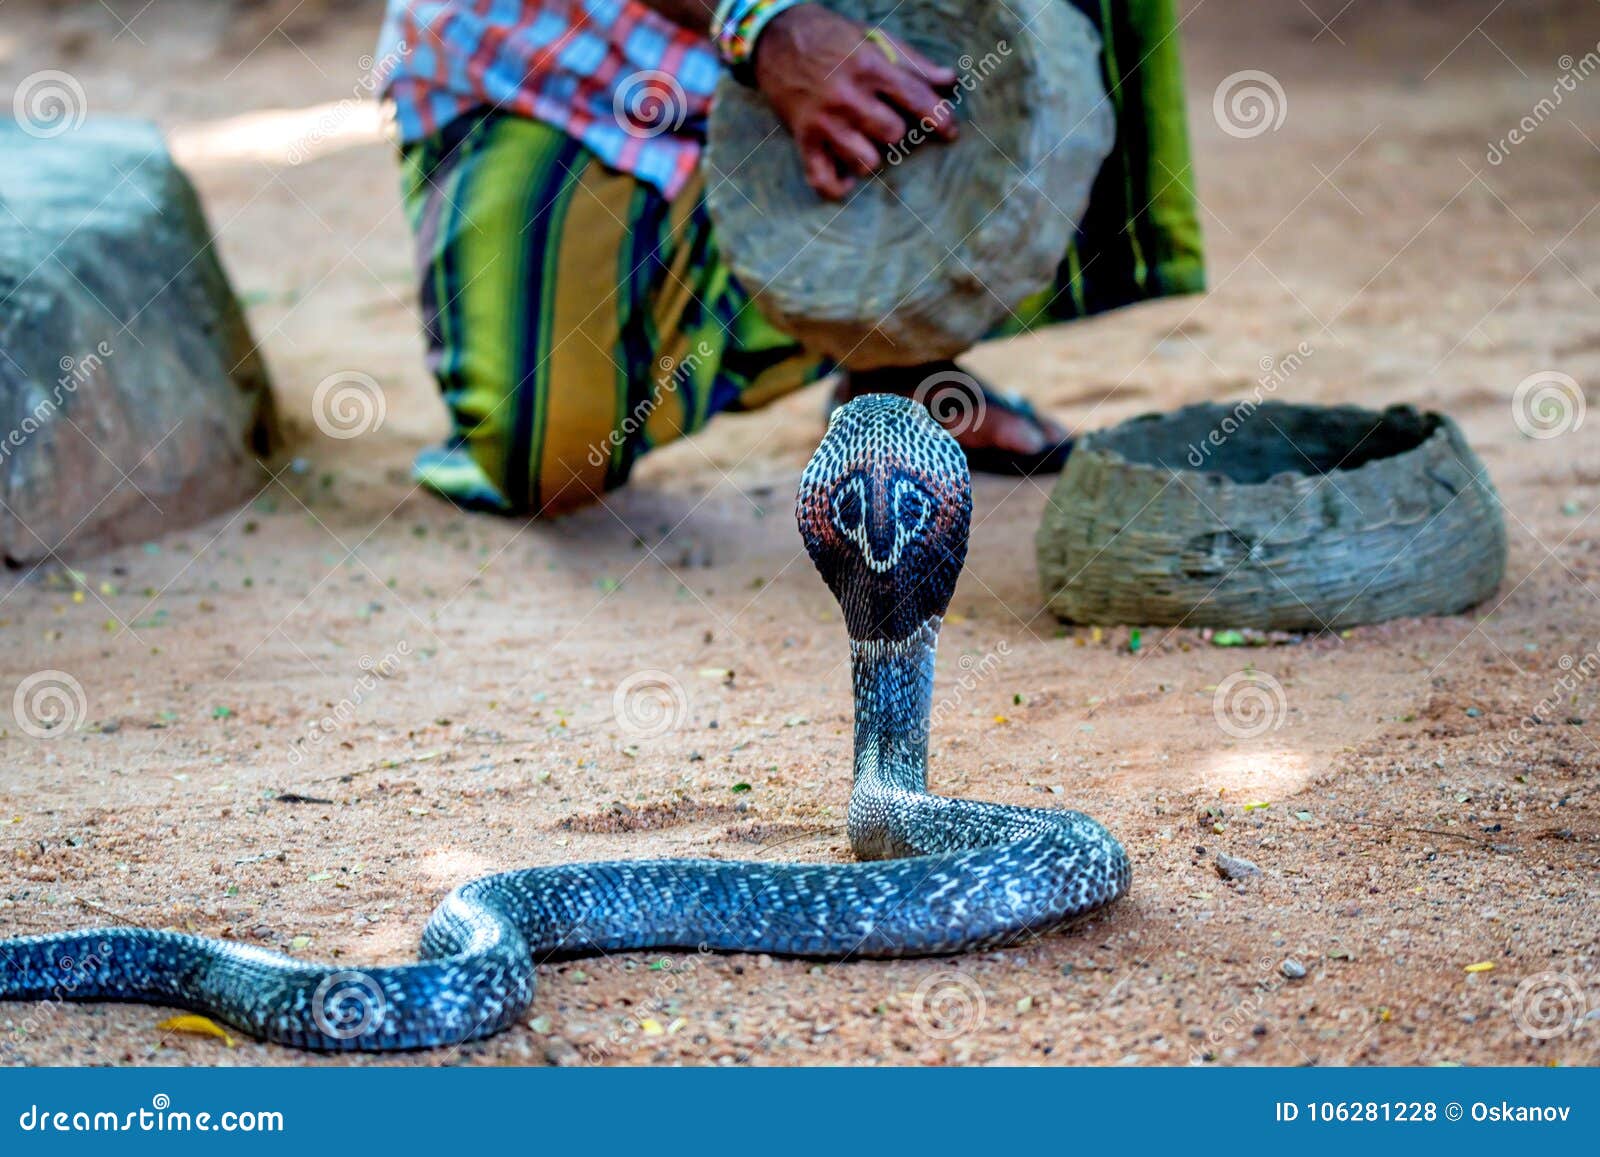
1234,867
1293,969
560,1051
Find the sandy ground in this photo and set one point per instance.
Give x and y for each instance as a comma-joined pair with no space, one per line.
1401,855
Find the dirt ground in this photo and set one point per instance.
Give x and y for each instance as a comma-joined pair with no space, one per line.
1435,879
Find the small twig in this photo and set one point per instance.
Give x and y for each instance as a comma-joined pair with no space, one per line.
503,740
381,765
117,916
792,839
1420,831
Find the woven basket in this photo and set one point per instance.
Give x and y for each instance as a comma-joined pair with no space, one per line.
1275,516
927,256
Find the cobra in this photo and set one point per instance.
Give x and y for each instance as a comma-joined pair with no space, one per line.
884,508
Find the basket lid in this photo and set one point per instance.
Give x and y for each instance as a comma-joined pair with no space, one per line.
927,256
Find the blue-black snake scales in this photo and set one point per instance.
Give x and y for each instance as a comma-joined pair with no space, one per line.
884,508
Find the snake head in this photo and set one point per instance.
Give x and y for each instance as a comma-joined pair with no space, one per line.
884,507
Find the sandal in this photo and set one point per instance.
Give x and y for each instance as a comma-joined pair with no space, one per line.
959,401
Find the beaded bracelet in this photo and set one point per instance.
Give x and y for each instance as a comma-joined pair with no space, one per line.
736,26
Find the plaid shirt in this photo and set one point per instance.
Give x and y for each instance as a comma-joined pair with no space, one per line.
628,83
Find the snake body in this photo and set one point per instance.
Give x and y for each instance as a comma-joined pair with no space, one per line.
884,508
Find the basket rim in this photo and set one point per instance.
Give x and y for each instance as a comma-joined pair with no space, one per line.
1441,428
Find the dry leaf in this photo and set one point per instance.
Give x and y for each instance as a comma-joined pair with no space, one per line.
196,1026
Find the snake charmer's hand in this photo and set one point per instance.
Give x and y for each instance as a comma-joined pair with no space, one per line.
845,97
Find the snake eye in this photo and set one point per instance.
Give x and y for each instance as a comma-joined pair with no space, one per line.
850,506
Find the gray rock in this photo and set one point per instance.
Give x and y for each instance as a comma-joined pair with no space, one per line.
131,396
1235,868
1293,969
